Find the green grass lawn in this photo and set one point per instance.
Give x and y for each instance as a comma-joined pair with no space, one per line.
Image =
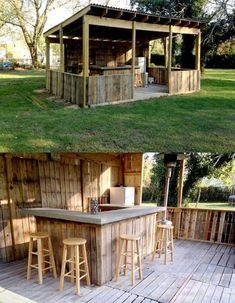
213,205
202,121
210,205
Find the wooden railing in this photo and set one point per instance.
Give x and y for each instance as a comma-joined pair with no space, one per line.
210,225
159,74
184,81
109,89
66,85
100,89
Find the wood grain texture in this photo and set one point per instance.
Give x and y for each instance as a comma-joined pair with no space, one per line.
184,81
64,181
102,241
204,224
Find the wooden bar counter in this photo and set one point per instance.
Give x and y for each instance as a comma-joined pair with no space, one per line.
101,231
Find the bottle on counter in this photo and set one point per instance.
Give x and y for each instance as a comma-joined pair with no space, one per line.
94,206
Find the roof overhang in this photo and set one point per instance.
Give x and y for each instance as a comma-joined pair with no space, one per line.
125,17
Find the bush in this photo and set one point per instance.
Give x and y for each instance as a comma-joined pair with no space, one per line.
158,59
212,194
220,61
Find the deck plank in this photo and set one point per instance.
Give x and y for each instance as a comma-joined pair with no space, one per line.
226,277
201,272
201,293
217,294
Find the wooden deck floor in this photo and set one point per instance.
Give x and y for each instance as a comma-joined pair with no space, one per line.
201,272
152,91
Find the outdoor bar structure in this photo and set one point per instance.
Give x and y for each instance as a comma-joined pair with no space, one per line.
105,56
52,193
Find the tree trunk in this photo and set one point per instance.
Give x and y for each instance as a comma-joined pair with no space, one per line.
199,196
34,55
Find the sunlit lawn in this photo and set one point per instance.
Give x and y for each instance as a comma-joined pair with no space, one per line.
214,205
202,121
208,205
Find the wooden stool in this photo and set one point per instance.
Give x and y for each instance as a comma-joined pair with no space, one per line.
75,261
164,241
41,253
124,254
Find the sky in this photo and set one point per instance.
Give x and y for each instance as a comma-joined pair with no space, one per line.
61,14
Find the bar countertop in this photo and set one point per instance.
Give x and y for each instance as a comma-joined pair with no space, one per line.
97,67
101,218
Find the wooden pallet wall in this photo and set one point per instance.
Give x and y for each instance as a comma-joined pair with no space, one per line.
133,174
21,188
184,81
101,53
102,241
159,74
108,89
204,224
6,252
65,85
65,181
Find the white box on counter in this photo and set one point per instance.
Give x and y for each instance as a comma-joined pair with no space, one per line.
122,196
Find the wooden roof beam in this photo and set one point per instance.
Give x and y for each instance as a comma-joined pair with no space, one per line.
177,22
104,12
194,24
167,21
156,19
186,22
145,18
118,15
133,16
120,23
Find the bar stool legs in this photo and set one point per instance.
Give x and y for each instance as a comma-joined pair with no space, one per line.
124,254
41,253
164,242
75,261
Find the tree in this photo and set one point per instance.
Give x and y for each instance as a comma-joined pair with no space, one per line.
155,190
30,16
200,165
217,32
176,8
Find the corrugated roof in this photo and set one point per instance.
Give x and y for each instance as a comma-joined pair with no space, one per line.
128,15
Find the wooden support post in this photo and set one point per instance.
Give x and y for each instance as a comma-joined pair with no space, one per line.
47,54
149,56
198,52
165,43
82,184
179,197
169,59
85,58
61,89
141,180
12,215
47,64
198,59
180,184
133,55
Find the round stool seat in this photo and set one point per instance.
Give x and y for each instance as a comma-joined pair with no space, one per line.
39,235
130,237
74,241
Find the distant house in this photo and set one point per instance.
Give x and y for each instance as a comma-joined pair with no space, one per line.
16,50
104,56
